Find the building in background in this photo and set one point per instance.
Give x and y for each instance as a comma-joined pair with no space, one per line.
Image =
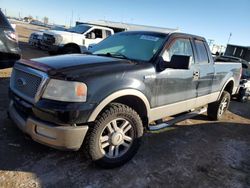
120,26
242,52
217,49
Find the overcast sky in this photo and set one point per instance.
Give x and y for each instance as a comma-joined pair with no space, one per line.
213,19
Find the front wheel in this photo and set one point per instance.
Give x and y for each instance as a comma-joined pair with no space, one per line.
217,109
70,50
115,136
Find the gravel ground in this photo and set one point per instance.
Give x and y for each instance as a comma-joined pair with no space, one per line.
195,153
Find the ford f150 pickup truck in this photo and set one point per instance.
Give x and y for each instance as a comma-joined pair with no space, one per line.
75,40
105,100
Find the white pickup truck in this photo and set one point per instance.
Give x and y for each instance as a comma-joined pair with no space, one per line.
75,40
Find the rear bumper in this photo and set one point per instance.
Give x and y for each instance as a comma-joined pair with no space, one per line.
60,137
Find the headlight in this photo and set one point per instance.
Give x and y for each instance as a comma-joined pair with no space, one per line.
67,91
58,38
11,35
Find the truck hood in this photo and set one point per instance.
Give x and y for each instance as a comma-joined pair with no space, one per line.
70,63
62,33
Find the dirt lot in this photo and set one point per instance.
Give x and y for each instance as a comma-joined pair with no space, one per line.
195,153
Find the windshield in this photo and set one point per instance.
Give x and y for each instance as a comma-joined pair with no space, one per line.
131,45
79,29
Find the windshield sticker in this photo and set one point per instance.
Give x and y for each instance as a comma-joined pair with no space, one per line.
151,38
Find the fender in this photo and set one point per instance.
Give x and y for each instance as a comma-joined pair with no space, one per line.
116,95
230,79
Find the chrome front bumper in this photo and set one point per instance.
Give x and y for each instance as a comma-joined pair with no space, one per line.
60,137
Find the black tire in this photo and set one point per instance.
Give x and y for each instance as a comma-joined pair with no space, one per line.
114,112
70,50
215,110
52,53
242,96
244,99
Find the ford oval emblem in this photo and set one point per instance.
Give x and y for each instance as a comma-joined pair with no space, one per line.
21,82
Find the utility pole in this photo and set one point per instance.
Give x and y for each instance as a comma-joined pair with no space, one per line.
210,42
230,35
71,19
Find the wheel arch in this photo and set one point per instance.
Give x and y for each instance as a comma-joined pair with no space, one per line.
73,45
130,97
228,86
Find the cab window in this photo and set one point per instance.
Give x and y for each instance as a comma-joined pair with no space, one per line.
98,33
179,47
202,52
106,33
95,33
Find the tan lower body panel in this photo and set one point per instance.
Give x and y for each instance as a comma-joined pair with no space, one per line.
179,107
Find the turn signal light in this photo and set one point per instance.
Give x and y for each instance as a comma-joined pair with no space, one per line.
80,90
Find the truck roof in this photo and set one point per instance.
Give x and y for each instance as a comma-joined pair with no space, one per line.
91,25
168,33
127,26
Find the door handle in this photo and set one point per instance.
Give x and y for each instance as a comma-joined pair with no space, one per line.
196,75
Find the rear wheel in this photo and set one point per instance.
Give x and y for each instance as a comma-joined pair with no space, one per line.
217,109
115,137
242,96
52,52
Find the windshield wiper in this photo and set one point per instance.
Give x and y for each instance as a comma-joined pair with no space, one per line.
118,55
88,52
114,55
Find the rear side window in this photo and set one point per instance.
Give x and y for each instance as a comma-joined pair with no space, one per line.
202,52
106,33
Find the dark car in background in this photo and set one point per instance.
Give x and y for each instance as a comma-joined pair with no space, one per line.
9,50
244,88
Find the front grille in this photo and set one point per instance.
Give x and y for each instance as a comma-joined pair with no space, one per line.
25,83
48,39
34,36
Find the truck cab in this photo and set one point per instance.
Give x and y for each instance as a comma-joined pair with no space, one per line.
75,40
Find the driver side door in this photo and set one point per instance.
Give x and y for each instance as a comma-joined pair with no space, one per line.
177,88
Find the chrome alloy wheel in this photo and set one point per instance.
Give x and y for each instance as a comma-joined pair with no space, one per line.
223,106
116,138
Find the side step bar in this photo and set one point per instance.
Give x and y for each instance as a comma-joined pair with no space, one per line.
176,120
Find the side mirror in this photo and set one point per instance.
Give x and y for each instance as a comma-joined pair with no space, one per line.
176,62
244,66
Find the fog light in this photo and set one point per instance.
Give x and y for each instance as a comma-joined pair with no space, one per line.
45,132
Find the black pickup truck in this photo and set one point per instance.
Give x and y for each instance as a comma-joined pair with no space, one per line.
126,85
